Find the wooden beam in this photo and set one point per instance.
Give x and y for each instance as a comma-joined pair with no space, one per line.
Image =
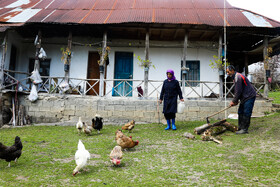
220,50
265,62
4,50
175,34
146,70
38,47
246,64
102,63
184,61
68,58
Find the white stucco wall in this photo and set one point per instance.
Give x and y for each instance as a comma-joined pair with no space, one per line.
162,58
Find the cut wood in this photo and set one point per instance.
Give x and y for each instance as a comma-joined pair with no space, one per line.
188,135
201,129
211,138
230,127
216,130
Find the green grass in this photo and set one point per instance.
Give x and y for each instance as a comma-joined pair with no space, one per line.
163,158
275,95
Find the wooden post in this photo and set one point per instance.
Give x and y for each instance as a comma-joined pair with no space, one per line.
265,63
220,50
146,70
183,69
2,63
38,47
102,64
246,64
68,59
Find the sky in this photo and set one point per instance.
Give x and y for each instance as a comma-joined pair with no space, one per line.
268,8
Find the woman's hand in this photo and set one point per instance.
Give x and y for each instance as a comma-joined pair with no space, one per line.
160,101
182,100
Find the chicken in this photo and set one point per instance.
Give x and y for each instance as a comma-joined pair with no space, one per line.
129,126
116,155
124,141
87,129
79,125
81,157
11,153
97,123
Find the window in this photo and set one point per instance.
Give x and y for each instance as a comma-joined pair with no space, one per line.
193,73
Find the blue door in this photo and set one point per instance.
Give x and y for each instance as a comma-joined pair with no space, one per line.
123,70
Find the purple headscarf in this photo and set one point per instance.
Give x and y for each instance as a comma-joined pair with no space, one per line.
172,73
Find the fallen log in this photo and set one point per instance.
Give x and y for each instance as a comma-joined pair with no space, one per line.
201,129
216,130
230,127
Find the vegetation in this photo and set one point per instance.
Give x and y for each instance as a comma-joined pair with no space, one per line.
275,95
218,63
163,158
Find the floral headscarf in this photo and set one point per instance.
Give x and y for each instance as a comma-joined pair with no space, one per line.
172,73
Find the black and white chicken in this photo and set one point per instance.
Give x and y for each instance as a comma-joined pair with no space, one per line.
11,153
97,122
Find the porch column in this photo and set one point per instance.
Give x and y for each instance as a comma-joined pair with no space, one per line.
38,47
265,63
2,64
246,64
68,59
102,64
184,69
146,70
220,51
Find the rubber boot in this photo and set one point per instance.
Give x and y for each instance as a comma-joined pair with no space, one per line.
243,125
168,124
247,120
240,119
173,124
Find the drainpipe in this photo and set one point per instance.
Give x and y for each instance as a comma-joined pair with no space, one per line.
102,64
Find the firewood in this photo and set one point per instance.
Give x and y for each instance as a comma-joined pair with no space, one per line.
230,127
201,129
216,130
210,138
189,135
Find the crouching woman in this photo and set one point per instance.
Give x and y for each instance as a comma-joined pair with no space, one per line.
169,94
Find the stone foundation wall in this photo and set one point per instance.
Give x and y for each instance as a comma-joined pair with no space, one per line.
63,108
5,108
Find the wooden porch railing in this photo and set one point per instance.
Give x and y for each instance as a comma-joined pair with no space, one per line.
116,87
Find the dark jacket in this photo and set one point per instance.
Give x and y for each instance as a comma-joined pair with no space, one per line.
169,94
243,89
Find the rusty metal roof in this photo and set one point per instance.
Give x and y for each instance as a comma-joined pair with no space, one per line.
206,12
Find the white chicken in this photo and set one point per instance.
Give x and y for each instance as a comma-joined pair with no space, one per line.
81,157
79,125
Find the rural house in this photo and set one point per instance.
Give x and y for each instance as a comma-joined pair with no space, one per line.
110,56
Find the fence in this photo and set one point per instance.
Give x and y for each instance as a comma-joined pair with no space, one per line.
115,87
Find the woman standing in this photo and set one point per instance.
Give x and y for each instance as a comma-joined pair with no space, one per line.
169,93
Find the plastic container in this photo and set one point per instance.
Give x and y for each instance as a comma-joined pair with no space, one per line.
181,107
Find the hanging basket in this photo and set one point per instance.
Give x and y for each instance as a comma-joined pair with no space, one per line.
66,67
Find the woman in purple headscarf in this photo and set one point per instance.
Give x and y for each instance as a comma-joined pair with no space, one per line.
169,93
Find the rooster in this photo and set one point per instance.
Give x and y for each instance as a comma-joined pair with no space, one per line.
81,157
11,153
97,123
129,126
79,125
116,155
124,141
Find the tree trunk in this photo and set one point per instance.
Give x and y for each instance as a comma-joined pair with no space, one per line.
200,129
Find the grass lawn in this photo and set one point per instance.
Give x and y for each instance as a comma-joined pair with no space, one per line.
275,95
163,158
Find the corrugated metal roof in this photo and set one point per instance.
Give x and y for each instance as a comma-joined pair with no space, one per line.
206,12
